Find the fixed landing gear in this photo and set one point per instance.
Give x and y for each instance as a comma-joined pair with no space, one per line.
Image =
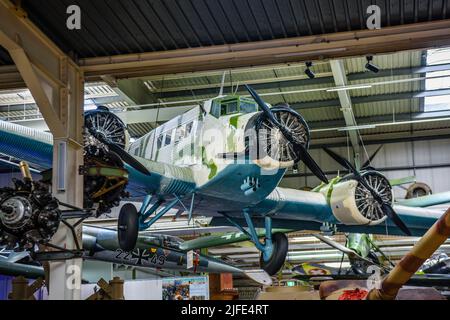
273,263
132,221
128,227
273,249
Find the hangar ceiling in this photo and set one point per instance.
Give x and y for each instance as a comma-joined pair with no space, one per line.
131,26
393,97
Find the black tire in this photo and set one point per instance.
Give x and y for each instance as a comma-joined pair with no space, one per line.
128,227
279,253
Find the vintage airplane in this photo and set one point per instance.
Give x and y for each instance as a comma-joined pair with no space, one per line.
223,158
156,251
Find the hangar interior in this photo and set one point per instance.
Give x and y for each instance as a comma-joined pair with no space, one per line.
378,98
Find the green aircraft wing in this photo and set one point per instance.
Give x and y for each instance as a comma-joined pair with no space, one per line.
222,239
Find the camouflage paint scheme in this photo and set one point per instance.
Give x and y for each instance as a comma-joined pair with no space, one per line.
216,182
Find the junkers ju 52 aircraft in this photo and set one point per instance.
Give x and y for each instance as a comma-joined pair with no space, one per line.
223,158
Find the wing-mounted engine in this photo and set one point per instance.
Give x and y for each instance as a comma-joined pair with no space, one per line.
353,204
105,176
273,149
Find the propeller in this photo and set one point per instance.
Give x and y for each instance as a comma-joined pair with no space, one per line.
298,146
125,156
385,206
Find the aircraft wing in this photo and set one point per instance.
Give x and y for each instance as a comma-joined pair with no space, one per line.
36,147
222,239
306,210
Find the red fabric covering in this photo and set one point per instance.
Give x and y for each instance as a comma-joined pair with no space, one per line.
356,294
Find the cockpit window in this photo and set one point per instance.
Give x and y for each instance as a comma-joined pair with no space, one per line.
215,109
248,107
231,106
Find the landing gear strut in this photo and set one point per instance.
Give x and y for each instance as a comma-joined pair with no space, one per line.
132,221
273,249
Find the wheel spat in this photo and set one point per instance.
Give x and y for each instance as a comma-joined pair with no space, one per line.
385,206
298,146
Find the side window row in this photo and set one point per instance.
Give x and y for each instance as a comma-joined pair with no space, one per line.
164,139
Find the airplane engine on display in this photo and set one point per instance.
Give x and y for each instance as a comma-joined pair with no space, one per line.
29,214
274,148
105,176
353,204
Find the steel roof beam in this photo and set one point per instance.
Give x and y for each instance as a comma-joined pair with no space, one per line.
382,118
340,79
275,83
372,98
308,48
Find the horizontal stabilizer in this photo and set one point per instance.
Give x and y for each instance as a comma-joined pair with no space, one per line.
426,201
259,276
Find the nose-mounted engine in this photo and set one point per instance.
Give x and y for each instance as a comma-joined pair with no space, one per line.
272,147
105,178
353,204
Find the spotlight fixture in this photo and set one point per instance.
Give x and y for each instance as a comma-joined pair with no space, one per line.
370,66
308,71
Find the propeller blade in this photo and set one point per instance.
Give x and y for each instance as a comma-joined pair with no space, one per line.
304,155
367,163
125,156
311,164
395,218
342,161
264,107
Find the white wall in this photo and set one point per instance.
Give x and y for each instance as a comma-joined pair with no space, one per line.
403,154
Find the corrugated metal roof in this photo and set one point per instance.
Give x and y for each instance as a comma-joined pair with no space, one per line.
387,88
386,108
130,26
137,130
385,61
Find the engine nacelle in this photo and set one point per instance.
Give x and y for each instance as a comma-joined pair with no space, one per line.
352,204
272,149
105,179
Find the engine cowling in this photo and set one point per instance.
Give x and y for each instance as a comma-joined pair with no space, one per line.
273,149
103,189
352,204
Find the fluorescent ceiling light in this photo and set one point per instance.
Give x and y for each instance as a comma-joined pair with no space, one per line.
365,86
367,126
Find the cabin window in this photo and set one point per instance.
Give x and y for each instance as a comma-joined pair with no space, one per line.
168,138
180,133
159,141
189,128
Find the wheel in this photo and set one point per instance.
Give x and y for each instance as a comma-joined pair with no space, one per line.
128,227
279,253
